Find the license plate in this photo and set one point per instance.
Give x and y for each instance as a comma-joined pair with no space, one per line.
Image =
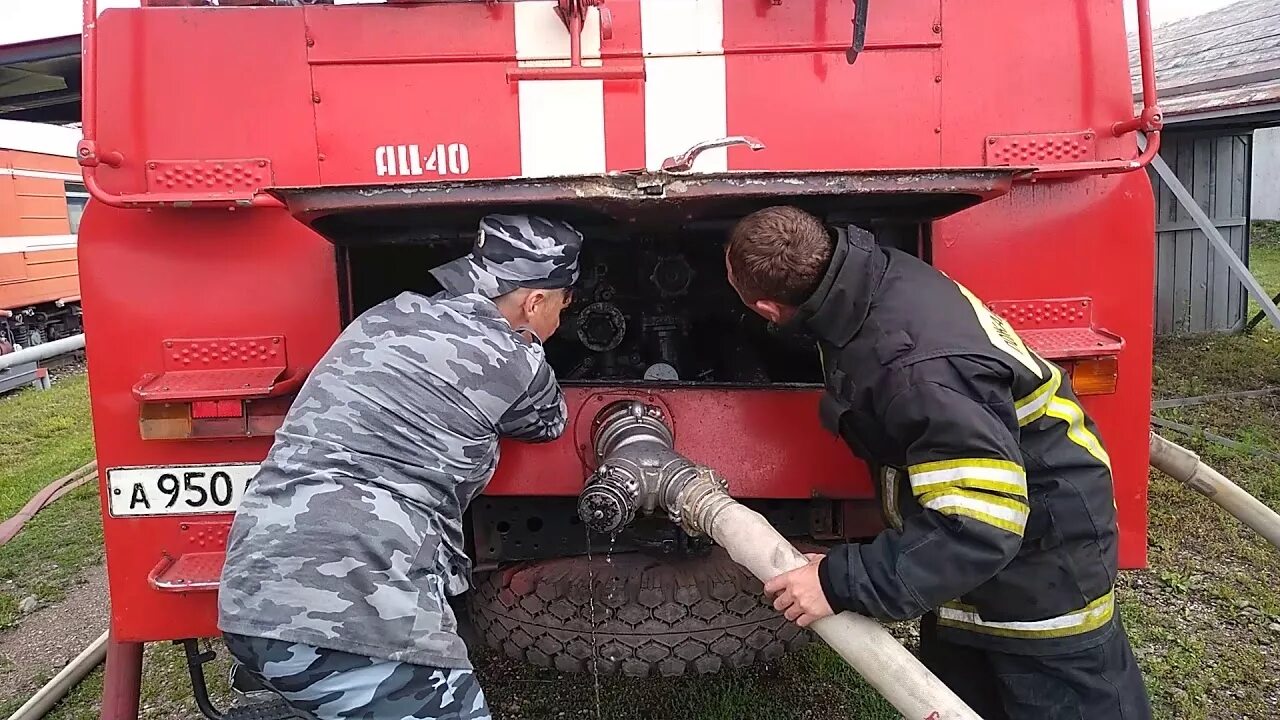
181,490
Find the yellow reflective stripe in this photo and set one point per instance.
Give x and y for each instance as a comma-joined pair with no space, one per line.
1004,513
1087,619
1071,414
967,462
1033,406
1000,333
977,474
1046,401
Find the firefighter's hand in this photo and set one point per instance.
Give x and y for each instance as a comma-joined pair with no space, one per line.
798,594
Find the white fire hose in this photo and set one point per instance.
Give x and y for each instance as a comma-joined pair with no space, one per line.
48,696
640,469
1186,467
863,643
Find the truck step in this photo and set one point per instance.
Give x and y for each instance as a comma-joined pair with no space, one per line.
274,709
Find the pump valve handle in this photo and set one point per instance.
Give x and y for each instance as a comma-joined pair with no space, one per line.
859,32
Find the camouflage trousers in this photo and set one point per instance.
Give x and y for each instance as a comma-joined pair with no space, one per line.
323,684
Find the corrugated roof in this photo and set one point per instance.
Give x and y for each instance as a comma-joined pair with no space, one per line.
1225,60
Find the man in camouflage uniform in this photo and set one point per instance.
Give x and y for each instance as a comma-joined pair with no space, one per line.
349,539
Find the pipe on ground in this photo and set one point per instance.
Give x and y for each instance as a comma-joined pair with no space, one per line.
51,492
48,696
639,469
1186,467
43,351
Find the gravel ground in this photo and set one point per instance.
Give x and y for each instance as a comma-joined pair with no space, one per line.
49,637
65,365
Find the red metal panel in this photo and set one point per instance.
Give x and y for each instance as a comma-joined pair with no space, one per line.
149,276
205,83
465,31
767,443
1013,67
1093,238
796,24
225,353
391,76
364,107
815,111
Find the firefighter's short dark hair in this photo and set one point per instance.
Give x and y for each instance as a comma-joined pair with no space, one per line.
780,253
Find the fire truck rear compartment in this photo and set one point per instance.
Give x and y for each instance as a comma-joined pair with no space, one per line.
648,308
653,304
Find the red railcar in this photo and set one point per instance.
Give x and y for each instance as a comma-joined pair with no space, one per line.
41,202
273,171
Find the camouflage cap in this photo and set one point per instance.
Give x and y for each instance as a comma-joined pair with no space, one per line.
515,251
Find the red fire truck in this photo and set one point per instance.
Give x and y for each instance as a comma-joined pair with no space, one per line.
263,174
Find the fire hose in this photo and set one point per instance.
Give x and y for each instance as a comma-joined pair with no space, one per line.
639,469
1186,467
75,671
48,696
51,492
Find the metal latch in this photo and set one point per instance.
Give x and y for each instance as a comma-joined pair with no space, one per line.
684,161
573,13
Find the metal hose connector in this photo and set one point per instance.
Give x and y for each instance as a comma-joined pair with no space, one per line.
701,500
639,469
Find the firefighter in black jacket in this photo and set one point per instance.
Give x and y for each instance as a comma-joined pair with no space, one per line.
995,484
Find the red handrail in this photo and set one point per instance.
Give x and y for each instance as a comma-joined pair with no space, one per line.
1149,121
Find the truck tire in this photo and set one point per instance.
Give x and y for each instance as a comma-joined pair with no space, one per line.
670,616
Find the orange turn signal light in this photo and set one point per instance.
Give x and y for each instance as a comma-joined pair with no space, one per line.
211,418
1095,376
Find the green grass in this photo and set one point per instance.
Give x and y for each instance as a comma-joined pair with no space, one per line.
1264,233
1201,619
1206,364
46,435
1264,262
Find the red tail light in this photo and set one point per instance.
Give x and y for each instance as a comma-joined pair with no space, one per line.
207,409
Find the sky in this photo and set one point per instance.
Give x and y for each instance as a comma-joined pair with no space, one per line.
1163,11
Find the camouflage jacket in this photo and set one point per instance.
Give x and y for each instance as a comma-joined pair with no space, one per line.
350,536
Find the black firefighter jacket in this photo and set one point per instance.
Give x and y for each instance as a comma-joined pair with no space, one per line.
997,488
